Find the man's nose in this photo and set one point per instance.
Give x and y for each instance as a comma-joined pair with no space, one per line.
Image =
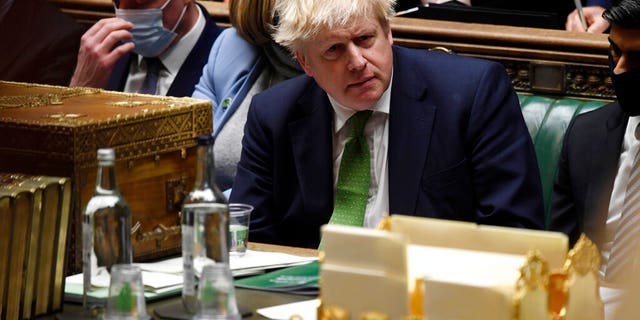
356,60
622,65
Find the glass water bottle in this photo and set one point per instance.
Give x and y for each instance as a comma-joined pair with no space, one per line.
205,224
106,228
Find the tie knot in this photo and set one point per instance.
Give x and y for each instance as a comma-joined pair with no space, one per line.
357,121
153,64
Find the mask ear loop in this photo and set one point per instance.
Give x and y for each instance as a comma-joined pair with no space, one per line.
165,4
184,9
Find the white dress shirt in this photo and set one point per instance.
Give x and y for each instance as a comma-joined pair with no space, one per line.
172,59
377,133
630,148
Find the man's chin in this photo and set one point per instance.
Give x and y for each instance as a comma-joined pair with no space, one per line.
360,108
365,102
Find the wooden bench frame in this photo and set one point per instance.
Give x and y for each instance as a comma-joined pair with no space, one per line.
539,61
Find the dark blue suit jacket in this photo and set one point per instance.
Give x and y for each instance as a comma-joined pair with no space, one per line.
586,172
458,149
190,72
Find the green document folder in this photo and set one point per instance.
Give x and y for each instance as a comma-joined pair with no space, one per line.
301,279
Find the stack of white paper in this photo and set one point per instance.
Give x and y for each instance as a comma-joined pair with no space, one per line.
165,277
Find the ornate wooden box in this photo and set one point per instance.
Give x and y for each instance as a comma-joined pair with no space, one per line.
56,131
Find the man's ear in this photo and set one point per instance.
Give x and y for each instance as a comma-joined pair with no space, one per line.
303,63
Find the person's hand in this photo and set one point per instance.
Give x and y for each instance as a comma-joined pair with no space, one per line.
98,52
593,15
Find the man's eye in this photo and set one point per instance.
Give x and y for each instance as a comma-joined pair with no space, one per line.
332,52
364,41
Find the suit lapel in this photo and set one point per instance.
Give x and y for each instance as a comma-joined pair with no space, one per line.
312,144
120,72
191,70
410,123
603,169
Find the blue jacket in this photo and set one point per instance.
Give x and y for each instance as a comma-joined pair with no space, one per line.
603,3
234,65
190,71
458,149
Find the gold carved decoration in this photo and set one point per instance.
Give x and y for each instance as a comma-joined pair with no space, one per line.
132,103
583,296
11,179
384,224
535,272
584,257
66,116
160,233
43,99
416,299
333,313
531,288
374,315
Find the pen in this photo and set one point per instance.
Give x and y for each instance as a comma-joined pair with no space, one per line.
581,14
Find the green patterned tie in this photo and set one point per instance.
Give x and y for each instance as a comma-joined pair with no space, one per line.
352,190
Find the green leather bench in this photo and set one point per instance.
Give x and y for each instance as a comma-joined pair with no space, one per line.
547,118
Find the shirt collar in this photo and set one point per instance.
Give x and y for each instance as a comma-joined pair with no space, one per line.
343,113
632,128
173,58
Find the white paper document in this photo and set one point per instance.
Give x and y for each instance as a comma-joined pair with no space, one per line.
168,273
307,310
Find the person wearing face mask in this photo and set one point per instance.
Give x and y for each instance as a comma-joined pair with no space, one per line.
151,46
597,185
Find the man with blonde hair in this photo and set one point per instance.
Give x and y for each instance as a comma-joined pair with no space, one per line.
373,129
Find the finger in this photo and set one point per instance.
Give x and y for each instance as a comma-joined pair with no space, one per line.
118,52
574,23
100,25
96,71
598,26
116,37
100,45
109,26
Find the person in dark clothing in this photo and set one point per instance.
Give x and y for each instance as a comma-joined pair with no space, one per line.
39,43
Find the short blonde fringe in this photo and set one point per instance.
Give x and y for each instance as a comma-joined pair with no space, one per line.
300,20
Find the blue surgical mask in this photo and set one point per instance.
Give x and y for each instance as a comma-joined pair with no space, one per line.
150,36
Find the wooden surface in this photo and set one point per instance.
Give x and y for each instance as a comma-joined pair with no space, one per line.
251,299
304,252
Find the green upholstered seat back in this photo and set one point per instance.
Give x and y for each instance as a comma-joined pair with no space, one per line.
547,119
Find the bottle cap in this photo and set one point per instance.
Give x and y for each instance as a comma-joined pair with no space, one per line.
106,154
204,140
